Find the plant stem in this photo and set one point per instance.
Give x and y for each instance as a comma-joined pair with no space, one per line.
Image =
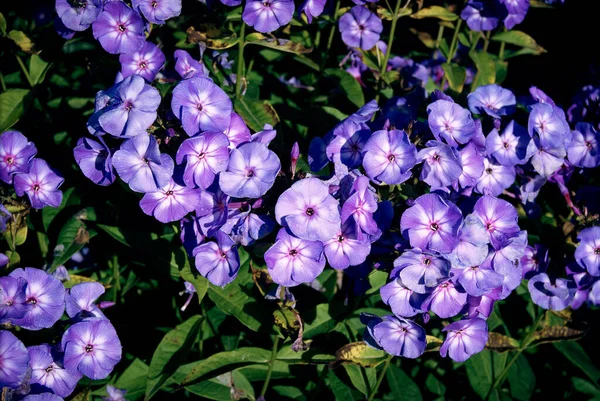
453,48
117,277
240,62
331,35
2,84
24,69
271,364
388,52
486,42
380,378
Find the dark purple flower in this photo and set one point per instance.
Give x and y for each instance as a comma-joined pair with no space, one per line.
594,294
205,155
312,8
492,99
237,132
584,149
78,15
510,148
119,29
15,153
360,28
268,15
348,143
400,337
251,172
309,211
587,253
402,300
95,161
201,106
145,62
187,67
170,203
432,223
80,300
450,122
495,178
49,374
4,260
499,217
158,11
218,261
212,211
345,249
446,300
535,260
141,165
12,298
465,338
549,295
507,253
14,360
441,165
550,123
251,227
91,347
517,10
40,184
292,261
389,156
483,15
586,106
420,271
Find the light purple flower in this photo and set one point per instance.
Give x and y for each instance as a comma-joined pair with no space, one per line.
268,15
510,148
201,106
187,67
237,132
141,165
473,240
446,300
361,206
360,28
403,301
345,249
492,99
80,300
119,29
312,8
170,203
495,178
465,338
114,394
482,15
205,155
431,223
587,253
40,184
212,211
12,298
472,165
15,153
420,271
482,306
43,397
145,62
535,260
549,295
389,156
78,15
292,261
517,10
14,360
218,261
265,136
309,211
95,161
348,143
540,96
499,217
400,337
91,347
546,161
441,165
550,123
47,373
584,149
158,11
450,122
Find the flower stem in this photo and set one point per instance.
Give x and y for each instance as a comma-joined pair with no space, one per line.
331,35
240,62
380,378
453,48
271,364
24,69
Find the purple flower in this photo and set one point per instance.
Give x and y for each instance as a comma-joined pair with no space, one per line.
95,161
345,249
78,15
389,156
483,15
80,300
495,178
312,8
127,109
218,261
492,99
402,300
292,261
432,223
14,360
400,337
251,227
15,153
550,124
145,62
12,298
446,300
546,161
119,29
472,165
420,271
450,122
441,165
535,260
91,347
517,10
206,155
187,67
237,132
583,151
43,397
251,172
45,297
548,295
499,217
477,280
360,206
348,143
141,165
540,96
473,240
158,11
170,203
510,148
201,106
507,253
587,253
594,294
114,394
360,28
212,211
309,211
40,184
465,338
268,15
47,373
482,306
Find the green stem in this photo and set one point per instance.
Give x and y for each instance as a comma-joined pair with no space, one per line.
502,45
486,42
440,35
388,52
271,364
240,62
24,69
453,48
2,84
331,35
117,278
380,378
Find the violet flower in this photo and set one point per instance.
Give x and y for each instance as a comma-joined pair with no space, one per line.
446,300
312,8
483,15
205,155
95,161
400,337
555,295
495,178
389,156
145,62
403,301
158,11
268,15
13,298
348,143
584,149
187,67
345,249
40,184
441,165
237,132
78,15
450,122
170,203
550,123
14,360
80,300
218,261
15,153
47,373
492,99
420,271
465,338
360,28
587,253
510,148
499,217
119,29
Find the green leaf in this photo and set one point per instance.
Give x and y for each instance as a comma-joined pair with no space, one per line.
72,237
456,76
580,358
225,387
22,41
49,213
2,24
585,387
402,386
362,378
521,379
486,69
180,258
377,279
37,69
519,38
349,85
213,39
283,45
85,395
359,353
482,370
233,301
13,104
312,355
256,113
435,12
224,362
435,385
134,380
341,391
171,352
323,321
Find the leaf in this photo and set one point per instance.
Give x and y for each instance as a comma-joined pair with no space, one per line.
585,387
519,38
283,45
433,343
402,386
580,358
22,41
312,355
323,321
72,237
521,379
456,76
486,69
13,104
501,343
256,113
83,396
134,379
2,24
225,387
49,213
435,385
482,370
377,279
180,258
362,378
435,12
233,301
557,333
349,85
170,353
341,391
223,362
37,69
359,353
210,40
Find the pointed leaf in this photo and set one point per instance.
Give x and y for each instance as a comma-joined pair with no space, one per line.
435,12
13,104
486,69
402,386
349,85
283,45
521,379
233,301
580,358
256,113
456,76
519,38
359,353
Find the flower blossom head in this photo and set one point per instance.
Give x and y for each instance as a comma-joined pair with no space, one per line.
312,8
91,347
450,122
251,172
495,178
78,15
309,211
546,160
141,165
510,148
145,62
441,165
348,143
483,15
80,300
158,11
119,29
345,249
201,106
403,301
472,166
40,184
218,261
187,67
292,261
446,300
360,28
465,338
15,153
43,397
499,217
555,295
420,271
13,298
400,337
95,161
212,211
389,156
14,360
268,15
550,123
360,207
517,10
49,374
493,100
587,253
170,203
584,149
237,132
205,155
535,260
473,240
114,394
